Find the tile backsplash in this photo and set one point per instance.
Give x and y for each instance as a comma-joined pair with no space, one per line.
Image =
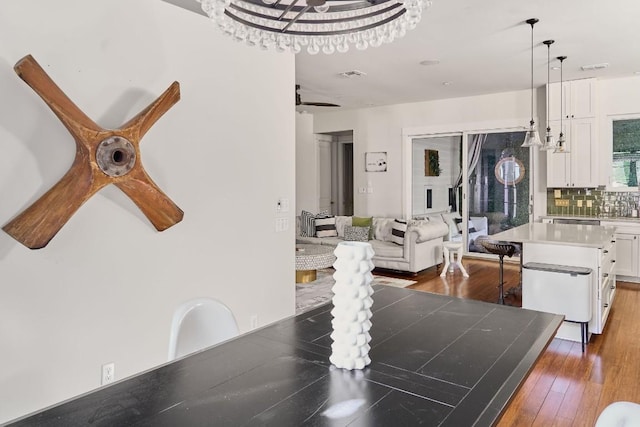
592,203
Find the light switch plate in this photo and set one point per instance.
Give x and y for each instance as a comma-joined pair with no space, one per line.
282,224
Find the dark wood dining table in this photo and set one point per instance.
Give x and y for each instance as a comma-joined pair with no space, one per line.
436,361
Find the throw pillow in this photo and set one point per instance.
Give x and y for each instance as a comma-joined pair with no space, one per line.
363,222
326,227
458,222
308,222
356,234
398,231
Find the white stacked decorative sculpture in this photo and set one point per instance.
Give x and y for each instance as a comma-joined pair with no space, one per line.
352,305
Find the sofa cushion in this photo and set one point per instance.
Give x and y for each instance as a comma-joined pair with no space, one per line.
428,231
326,227
458,221
382,228
435,218
341,221
310,240
363,222
355,233
398,230
330,241
387,249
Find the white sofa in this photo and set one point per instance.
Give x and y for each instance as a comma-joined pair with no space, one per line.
422,243
480,225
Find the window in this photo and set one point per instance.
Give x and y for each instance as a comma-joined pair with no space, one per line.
626,152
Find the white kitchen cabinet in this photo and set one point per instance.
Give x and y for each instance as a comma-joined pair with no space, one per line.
578,167
578,99
628,249
627,261
606,283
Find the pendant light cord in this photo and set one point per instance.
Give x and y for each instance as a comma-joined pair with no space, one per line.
561,112
532,122
548,43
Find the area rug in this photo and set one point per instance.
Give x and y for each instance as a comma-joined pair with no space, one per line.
318,292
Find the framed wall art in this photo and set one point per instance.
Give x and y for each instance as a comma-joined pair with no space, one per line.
431,163
375,161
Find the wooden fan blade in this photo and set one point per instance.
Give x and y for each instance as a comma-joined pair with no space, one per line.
143,121
37,224
153,203
71,116
319,104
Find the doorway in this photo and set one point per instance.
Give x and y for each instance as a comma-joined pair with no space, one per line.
335,173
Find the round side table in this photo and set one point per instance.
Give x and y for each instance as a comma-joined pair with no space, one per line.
309,258
452,252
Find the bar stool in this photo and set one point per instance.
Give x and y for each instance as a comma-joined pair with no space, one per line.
452,252
501,249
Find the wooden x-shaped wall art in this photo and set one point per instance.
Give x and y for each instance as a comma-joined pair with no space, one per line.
103,157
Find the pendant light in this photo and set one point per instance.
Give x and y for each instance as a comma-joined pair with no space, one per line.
562,146
532,138
549,141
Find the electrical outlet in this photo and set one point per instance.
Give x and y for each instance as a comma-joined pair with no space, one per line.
253,321
579,203
108,373
557,194
589,203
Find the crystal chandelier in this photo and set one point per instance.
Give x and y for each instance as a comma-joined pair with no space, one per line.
318,25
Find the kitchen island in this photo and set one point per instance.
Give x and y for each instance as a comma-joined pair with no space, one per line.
570,245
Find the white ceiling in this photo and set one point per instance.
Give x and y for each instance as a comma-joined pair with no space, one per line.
483,47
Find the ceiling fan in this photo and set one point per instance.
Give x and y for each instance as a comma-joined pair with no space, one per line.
312,104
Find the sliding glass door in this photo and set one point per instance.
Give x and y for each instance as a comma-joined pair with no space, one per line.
478,181
498,184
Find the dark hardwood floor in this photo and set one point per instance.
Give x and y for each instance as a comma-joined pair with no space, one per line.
566,387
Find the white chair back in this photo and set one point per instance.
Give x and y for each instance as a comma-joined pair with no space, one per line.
620,414
200,323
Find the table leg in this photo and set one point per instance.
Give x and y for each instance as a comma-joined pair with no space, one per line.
445,254
459,261
306,276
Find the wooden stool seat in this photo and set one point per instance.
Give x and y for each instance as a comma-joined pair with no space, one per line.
501,249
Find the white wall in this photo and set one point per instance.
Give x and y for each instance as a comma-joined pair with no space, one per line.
307,184
381,129
105,288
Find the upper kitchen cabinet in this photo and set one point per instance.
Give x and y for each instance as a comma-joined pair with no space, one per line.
578,99
579,167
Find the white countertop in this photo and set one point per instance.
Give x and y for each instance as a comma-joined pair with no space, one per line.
594,236
621,219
